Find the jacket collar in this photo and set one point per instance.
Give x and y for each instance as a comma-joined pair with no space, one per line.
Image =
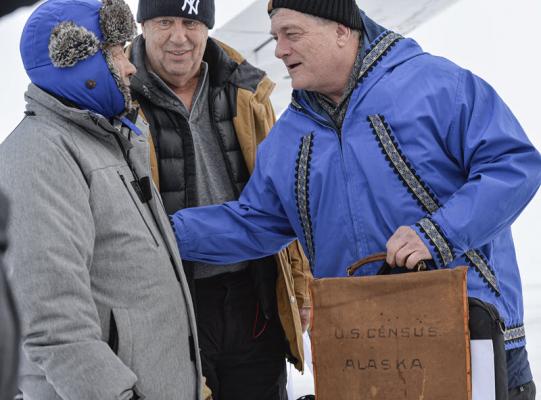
381,52
221,66
39,102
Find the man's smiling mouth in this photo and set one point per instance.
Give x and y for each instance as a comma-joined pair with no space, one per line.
291,67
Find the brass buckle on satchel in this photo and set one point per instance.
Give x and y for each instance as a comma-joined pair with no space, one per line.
421,265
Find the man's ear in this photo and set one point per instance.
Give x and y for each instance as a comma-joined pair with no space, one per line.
343,35
143,29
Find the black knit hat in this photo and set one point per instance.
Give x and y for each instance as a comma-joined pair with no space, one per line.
344,12
200,10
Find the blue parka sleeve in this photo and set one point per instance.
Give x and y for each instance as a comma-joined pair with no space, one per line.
253,227
502,171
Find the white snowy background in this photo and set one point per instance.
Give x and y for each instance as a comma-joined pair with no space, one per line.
496,39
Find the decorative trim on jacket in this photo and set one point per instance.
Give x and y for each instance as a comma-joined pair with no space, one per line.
428,201
514,334
421,193
438,240
302,180
376,53
480,263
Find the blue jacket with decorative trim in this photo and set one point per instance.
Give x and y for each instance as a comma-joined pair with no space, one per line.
424,143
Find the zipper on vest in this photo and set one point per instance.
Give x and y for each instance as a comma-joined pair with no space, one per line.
123,179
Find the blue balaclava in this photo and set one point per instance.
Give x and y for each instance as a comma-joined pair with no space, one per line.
65,51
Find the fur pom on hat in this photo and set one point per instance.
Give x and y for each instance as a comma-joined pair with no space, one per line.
117,22
70,44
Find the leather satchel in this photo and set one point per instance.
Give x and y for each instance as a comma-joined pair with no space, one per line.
394,337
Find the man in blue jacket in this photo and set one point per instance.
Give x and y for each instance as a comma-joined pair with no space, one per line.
383,146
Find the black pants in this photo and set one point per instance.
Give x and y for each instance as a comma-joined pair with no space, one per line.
243,355
524,392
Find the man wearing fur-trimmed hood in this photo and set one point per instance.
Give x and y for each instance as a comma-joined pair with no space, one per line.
105,306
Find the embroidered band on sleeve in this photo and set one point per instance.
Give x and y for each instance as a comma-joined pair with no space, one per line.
444,248
514,334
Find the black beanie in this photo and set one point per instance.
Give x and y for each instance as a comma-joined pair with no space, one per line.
200,10
344,12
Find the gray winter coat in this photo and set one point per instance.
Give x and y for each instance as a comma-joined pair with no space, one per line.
96,271
9,323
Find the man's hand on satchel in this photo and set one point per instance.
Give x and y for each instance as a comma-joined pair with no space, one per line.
405,249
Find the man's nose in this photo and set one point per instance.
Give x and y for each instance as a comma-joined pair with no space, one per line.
178,34
130,70
281,49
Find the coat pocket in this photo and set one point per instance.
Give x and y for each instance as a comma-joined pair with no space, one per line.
120,335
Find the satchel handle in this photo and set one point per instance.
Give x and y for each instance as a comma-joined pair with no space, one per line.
421,265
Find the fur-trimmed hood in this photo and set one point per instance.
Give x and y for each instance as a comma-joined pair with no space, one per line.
65,50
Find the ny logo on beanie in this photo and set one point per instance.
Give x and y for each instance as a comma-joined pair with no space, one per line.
200,10
193,4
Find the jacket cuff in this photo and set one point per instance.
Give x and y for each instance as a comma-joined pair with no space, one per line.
181,233
435,240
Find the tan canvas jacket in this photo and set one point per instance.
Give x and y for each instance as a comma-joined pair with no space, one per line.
254,119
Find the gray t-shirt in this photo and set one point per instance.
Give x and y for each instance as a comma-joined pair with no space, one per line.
213,185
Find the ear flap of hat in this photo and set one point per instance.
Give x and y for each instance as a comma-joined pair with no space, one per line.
70,44
116,22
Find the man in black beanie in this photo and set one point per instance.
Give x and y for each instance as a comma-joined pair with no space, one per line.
383,147
208,109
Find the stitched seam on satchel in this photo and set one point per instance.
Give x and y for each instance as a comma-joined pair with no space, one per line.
377,52
432,231
514,334
423,195
302,186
